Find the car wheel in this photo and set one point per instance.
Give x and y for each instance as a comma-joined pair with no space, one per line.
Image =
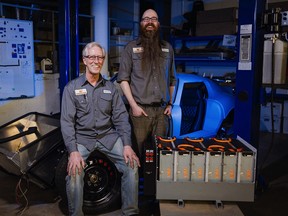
102,183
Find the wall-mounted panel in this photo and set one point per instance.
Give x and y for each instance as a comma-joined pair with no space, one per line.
17,59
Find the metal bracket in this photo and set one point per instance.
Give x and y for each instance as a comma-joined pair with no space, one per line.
219,204
181,203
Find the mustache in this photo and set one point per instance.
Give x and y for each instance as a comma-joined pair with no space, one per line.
150,24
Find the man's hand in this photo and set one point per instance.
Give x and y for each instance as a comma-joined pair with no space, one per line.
75,164
168,110
138,111
130,156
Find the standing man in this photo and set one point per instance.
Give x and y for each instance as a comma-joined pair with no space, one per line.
147,78
93,116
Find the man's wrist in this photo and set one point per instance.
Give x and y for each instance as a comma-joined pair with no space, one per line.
169,104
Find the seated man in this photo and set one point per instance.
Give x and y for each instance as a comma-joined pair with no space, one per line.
93,116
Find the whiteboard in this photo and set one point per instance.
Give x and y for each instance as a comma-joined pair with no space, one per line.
16,59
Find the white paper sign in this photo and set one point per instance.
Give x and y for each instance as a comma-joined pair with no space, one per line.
244,66
246,29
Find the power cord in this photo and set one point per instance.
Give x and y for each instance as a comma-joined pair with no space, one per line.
20,193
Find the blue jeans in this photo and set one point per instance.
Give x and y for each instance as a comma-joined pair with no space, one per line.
129,181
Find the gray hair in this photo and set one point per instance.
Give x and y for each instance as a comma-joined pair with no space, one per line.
89,46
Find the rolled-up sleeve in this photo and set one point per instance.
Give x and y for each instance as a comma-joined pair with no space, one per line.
125,68
172,71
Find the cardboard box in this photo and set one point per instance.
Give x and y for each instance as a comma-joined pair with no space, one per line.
285,125
266,110
216,28
217,16
266,124
285,108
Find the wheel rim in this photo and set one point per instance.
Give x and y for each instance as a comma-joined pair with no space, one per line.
100,181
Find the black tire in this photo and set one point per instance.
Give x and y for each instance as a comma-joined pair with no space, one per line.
102,184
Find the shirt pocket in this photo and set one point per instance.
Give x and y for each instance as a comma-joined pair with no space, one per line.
165,61
165,56
105,102
137,61
82,106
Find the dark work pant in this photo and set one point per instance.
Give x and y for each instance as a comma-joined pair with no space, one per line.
146,127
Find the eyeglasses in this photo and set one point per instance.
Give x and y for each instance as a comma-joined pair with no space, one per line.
93,58
148,19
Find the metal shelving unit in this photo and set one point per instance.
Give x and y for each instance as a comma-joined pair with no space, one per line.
45,30
120,33
203,51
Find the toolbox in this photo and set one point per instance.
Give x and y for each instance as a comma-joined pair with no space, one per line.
205,169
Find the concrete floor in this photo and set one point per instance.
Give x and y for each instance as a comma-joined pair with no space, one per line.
270,197
47,203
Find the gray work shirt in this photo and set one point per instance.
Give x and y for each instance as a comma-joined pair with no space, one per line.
152,85
90,114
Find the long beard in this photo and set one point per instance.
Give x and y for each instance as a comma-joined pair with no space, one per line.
151,43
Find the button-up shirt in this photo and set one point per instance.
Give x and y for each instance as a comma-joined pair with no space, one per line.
90,114
152,85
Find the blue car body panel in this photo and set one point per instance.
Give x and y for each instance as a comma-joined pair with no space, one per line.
218,103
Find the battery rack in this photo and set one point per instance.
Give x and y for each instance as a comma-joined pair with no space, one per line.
205,169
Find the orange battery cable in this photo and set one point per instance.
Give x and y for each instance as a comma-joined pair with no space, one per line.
194,140
199,140
165,147
182,146
222,140
219,147
228,141
171,140
167,140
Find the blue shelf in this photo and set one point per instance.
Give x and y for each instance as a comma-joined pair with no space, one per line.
193,61
204,51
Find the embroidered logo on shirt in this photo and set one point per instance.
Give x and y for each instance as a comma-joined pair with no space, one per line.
165,50
106,91
81,92
138,49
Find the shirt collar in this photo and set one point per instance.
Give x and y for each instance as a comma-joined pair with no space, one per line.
138,41
84,81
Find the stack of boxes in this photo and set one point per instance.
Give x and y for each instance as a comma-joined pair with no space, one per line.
217,22
280,115
266,117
